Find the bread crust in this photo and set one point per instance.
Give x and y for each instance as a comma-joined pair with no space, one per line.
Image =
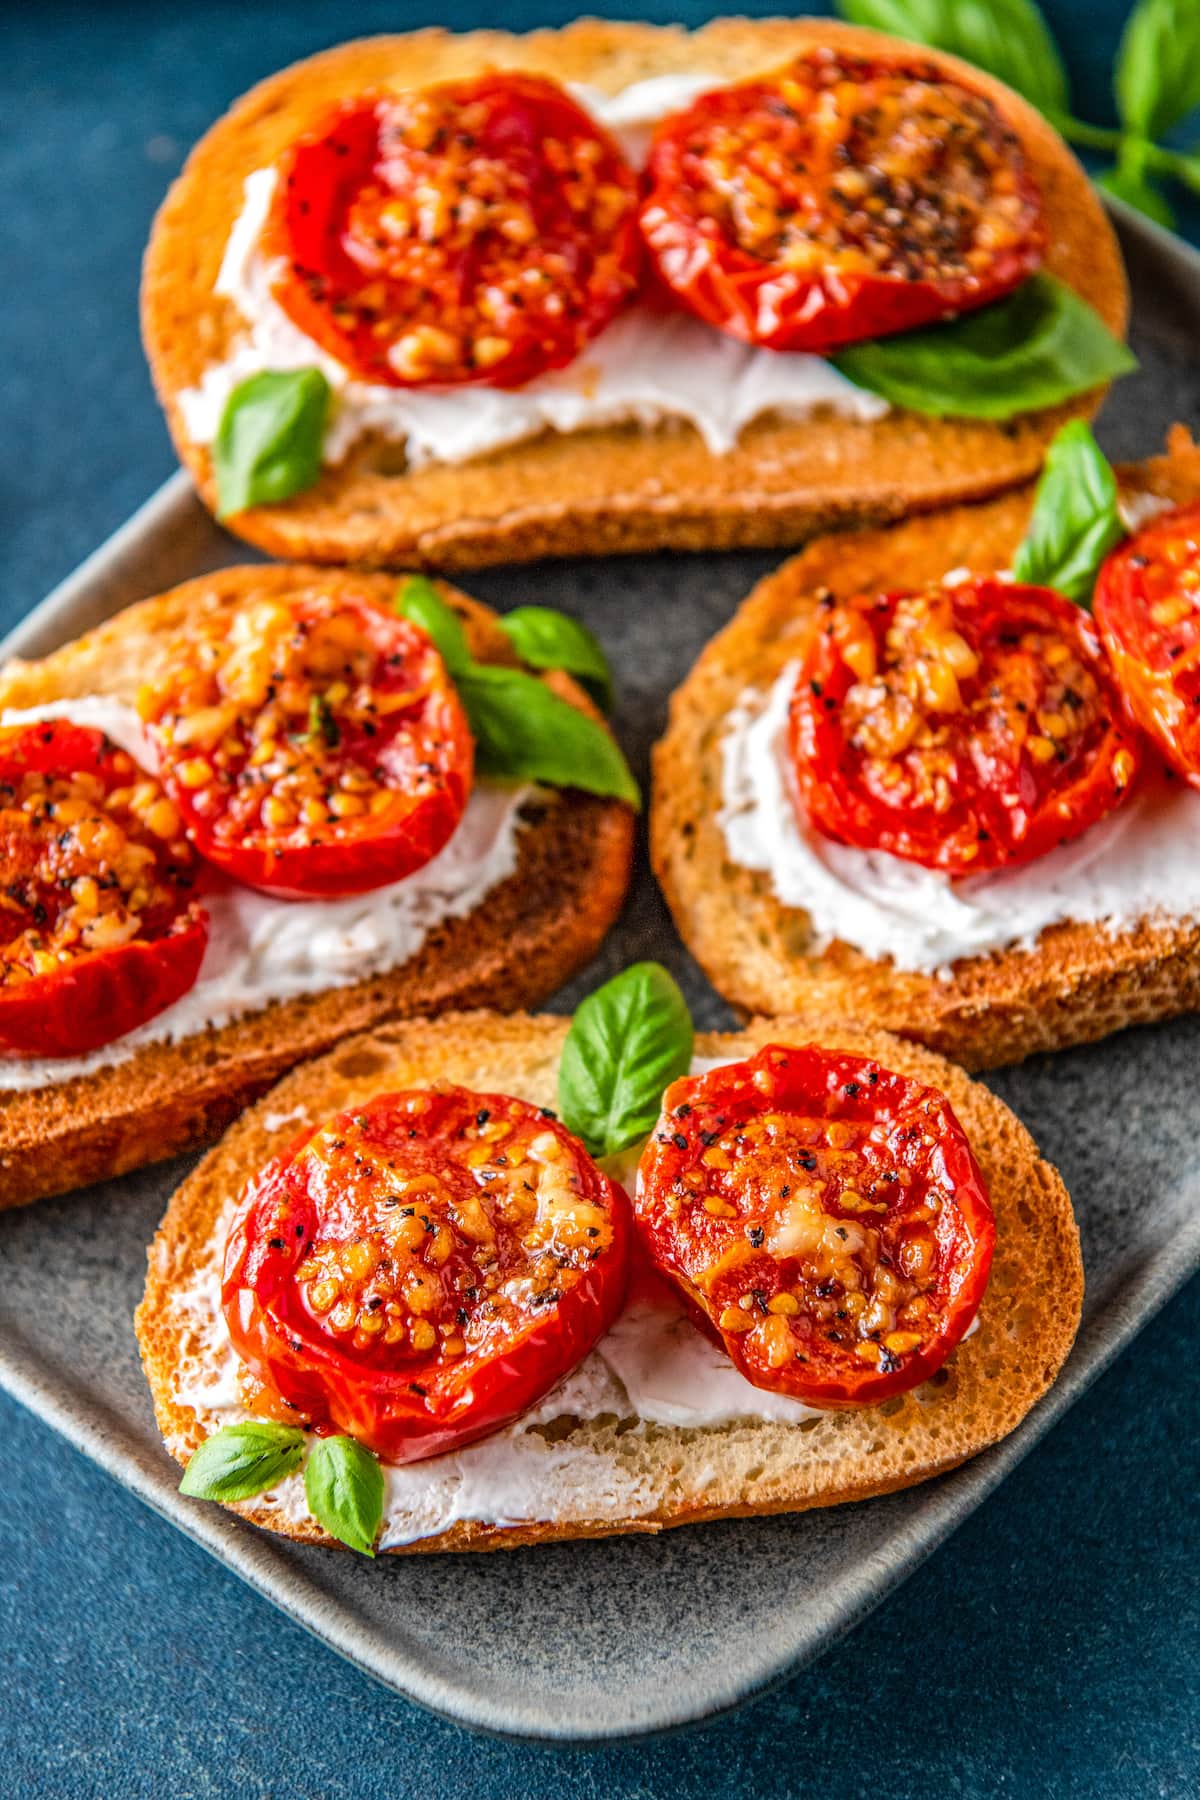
530,935
623,488
1027,1322
1078,983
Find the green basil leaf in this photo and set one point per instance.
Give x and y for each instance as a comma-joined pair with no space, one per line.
1039,346
1008,38
242,1460
1158,66
628,1041
268,444
1075,521
343,1484
547,639
420,601
1137,189
524,731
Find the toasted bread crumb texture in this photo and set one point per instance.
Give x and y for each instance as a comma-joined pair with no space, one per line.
532,934
1027,1322
623,488
1078,983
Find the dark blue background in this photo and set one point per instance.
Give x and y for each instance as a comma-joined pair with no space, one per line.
1050,1648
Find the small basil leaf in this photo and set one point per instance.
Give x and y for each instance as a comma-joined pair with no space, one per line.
268,444
546,639
1158,66
1137,189
1008,38
419,601
524,731
242,1460
1075,521
628,1041
343,1484
1039,346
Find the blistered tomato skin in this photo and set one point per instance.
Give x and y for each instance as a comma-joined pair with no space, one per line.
1147,606
478,231
964,727
842,199
99,930
420,1273
824,1218
315,745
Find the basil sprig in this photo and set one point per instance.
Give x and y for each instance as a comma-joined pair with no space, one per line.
268,444
546,639
1156,78
242,1460
343,1482
522,731
1039,346
627,1042
1075,520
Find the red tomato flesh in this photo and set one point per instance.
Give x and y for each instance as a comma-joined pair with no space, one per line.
1147,606
843,198
479,231
963,727
824,1218
421,1272
98,927
315,747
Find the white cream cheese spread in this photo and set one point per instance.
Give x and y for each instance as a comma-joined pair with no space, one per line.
649,366
261,949
1142,860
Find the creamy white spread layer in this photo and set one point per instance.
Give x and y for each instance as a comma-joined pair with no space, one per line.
261,949
648,367
1142,860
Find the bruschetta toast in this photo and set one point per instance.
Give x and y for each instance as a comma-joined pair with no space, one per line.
644,476
600,1454
1133,957
536,873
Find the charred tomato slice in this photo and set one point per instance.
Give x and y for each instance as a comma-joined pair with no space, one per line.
965,727
421,1271
1147,605
315,744
844,198
824,1218
476,231
98,927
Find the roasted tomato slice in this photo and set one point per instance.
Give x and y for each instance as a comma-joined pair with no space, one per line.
964,727
419,1273
843,198
98,927
824,1218
1147,606
480,231
315,745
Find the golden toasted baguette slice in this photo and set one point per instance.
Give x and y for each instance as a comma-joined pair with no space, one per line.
1077,983
621,488
529,935
619,1474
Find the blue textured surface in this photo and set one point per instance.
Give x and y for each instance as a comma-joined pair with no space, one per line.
1050,1648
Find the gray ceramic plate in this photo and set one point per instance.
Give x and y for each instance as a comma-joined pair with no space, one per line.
593,1640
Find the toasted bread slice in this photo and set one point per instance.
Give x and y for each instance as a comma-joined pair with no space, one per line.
1079,982
642,1477
621,488
532,932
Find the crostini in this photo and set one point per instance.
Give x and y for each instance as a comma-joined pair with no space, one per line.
264,809
481,1282
384,328
905,788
